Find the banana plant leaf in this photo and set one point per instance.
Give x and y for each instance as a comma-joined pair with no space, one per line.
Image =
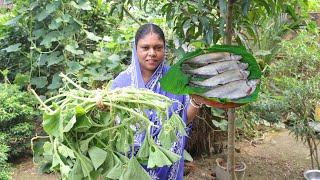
177,82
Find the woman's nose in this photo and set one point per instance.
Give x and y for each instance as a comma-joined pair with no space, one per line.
152,52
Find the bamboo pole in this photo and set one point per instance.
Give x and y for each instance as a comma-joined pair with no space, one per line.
231,111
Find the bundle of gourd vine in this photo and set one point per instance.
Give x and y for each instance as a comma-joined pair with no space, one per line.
91,132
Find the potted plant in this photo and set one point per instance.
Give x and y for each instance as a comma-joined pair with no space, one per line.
221,169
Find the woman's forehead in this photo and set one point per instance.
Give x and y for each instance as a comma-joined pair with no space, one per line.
151,38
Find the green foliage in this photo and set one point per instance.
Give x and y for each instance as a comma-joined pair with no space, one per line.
289,90
297,77
17,116
301,58
91,133
5,170
78,37
264,26
202,22
313,6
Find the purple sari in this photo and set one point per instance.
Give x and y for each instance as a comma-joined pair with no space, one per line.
132,77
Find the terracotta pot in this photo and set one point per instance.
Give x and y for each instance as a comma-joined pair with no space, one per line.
221,170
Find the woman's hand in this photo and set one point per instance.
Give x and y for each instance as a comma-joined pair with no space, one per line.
193,109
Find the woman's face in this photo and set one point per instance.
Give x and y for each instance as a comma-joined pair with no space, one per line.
150,50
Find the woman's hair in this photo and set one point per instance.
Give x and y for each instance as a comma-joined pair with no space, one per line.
146,29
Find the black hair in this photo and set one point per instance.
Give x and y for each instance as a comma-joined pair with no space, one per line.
146,29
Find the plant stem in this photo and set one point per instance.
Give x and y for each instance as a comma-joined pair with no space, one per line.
73,83
316,158
41,102
135,20
311,152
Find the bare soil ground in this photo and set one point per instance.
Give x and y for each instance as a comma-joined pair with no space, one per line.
278,156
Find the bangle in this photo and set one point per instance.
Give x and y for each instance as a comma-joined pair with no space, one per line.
195,104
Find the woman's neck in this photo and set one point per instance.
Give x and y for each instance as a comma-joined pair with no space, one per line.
146,75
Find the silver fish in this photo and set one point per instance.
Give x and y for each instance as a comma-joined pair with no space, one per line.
233,90
213,57
223,78
216,68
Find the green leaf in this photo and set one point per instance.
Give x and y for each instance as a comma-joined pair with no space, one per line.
116,171
74,67
122,158
97,156
84,5
42,59
76,172
55,160
40,82
50,8
223,124
205,22
114,61
157,158
84,144
186,26
92,36
80,111
245,7
122,143
173,157
56,82
54,24
13,48
21,79
83,124
108,164
73,49
66,18
70,124
33,5
99,3
54,58
47,148
187,156
51,122
167,135
145,148
179,124
135,171
49,38
64,169
65,151
36,34
13,21
239,123
86,165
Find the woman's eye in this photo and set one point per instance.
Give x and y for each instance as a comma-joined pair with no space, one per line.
159,48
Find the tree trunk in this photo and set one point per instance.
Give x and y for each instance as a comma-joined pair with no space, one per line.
205,138
231,112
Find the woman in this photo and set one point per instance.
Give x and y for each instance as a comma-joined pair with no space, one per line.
146,68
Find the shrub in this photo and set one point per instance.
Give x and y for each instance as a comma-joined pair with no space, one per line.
5,172
16,118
